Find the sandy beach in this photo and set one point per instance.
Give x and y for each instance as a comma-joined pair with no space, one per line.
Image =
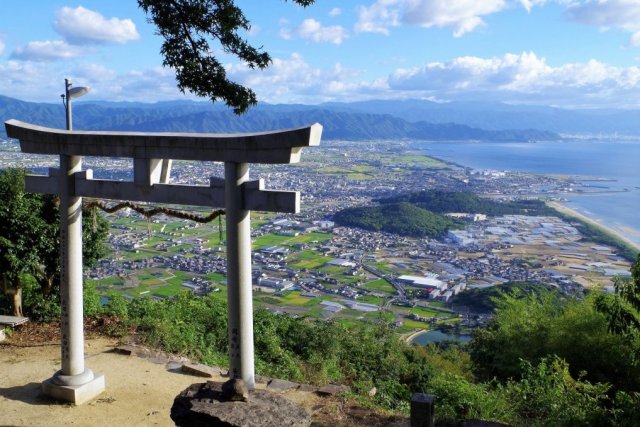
571,212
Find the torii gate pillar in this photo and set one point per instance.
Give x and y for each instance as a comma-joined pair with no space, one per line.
235,192
239,300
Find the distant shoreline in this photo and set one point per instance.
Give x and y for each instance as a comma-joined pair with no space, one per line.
608,230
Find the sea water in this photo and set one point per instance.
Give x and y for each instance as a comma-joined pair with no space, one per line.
617,202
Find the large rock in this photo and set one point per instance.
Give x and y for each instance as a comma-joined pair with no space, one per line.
204,404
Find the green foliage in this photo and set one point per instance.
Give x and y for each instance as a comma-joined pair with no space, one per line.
460,399
536,327
537,389
38,306
30,243
441,201
117,305
623,308
484,300
91,300
401,218
547,391
188,27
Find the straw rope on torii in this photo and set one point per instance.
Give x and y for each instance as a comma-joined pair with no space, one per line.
148,213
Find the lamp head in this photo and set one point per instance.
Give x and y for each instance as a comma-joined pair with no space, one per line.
77,92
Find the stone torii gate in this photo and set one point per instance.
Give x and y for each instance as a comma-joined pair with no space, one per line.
236,193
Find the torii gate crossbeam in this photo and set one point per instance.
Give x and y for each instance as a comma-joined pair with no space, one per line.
234,192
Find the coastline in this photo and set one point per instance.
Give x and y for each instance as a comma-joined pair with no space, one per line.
608,230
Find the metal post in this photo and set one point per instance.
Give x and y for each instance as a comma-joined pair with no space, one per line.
240,304
67,86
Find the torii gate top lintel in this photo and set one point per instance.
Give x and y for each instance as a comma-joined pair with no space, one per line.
282,146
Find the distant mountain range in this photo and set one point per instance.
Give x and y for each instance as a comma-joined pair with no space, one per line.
411,119
341,121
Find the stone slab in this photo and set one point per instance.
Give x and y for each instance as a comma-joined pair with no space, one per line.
126,350
307,388
262,379
332,390
13,321
199,370
75,394
281,386
203,405
3,336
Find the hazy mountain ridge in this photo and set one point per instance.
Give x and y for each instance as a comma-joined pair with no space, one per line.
500,116
185,116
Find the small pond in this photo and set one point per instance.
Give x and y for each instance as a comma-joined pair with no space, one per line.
436,336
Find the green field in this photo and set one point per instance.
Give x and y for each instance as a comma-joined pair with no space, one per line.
307,259
294,298
425,312
380,285
415,160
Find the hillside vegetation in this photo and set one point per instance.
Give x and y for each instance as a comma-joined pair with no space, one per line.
441,201
543,360
404,219
419,214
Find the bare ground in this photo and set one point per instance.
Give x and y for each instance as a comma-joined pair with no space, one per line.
140,390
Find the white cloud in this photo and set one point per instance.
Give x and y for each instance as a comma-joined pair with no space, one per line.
461,15
379,17
522,78
83,26
310,29
292,80
2,46
336,11
607,14
29,81
313,30
530,4
47,51
94,72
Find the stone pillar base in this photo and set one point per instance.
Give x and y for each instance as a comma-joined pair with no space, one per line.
77,393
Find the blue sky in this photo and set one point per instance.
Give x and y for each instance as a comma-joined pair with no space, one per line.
569,53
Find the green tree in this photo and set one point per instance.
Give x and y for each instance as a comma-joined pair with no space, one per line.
30,242
189,28
623,308
20,231
540,326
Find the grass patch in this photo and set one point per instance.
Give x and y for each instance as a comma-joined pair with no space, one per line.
169,290
425,312
308,259
414,324
369,299
294,298
270,240
416,160
380,285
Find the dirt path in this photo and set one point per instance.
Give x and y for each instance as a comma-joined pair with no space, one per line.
139,392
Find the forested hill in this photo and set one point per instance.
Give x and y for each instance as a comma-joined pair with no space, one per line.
458,201
420,214
399,218
189,116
